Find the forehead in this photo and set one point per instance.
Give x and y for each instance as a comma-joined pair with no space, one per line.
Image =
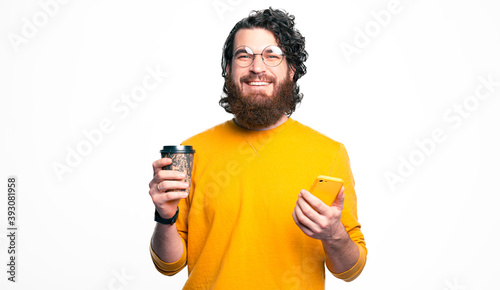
255,38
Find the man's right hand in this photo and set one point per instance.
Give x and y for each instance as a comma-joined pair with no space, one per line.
167,188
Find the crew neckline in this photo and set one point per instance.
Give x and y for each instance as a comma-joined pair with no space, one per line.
243,131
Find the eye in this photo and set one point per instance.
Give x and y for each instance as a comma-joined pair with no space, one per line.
243,56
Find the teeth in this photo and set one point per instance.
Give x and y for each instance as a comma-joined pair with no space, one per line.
258,83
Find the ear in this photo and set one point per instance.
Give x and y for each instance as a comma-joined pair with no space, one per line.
291,71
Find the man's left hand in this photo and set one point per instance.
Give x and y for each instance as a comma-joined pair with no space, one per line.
318,220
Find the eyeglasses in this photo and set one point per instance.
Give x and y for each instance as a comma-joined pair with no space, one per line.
244,56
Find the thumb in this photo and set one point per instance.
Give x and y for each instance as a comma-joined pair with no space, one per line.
339,200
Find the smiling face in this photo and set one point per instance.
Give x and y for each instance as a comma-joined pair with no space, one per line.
258,80
258,95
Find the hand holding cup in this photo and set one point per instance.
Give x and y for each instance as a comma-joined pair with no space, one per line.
172,178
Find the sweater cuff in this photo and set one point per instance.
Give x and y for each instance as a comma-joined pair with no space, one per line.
169,269
354,272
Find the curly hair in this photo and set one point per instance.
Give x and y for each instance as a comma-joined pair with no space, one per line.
288,38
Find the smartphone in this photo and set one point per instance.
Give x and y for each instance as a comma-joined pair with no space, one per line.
326,188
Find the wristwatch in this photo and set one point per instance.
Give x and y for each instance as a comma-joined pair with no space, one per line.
169,221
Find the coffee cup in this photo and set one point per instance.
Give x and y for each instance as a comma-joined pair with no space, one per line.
182,160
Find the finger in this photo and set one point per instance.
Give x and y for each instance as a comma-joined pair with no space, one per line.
304,228
163,175
303,212
160,163
169,196
170,175
339,200
160,198
315,202
169,185
306,209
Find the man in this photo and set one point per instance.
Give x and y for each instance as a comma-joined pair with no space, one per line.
248,222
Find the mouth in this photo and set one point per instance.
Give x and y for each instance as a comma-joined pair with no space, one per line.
255,83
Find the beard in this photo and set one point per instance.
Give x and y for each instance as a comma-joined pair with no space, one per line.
258,110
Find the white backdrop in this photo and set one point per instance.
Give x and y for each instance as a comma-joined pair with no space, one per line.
91,90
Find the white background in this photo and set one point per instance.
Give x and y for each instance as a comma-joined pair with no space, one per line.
89,226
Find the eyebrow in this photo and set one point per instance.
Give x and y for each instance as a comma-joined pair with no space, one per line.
240,51
269,49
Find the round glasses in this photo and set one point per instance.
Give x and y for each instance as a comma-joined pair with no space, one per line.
244,56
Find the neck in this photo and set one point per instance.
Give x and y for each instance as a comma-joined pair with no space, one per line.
279,122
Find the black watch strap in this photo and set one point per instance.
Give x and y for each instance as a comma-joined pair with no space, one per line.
169,221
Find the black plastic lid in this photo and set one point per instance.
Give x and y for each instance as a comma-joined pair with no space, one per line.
177,149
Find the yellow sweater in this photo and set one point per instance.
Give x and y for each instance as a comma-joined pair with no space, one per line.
237,223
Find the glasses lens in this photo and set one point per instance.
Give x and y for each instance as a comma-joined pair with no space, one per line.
272,55
243,56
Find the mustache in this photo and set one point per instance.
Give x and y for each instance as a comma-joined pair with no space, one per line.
256,78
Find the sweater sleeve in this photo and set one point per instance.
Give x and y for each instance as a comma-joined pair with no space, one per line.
356,270
341,168
169,269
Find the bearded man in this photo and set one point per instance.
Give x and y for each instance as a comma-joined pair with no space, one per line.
248,222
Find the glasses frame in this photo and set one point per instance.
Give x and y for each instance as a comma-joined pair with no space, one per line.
255,54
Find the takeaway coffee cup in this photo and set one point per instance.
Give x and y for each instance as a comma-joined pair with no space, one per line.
182,160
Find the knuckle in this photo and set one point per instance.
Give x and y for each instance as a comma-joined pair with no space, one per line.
156,200
171,195
159,185
157,164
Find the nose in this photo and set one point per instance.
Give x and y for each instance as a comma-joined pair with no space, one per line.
258,65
